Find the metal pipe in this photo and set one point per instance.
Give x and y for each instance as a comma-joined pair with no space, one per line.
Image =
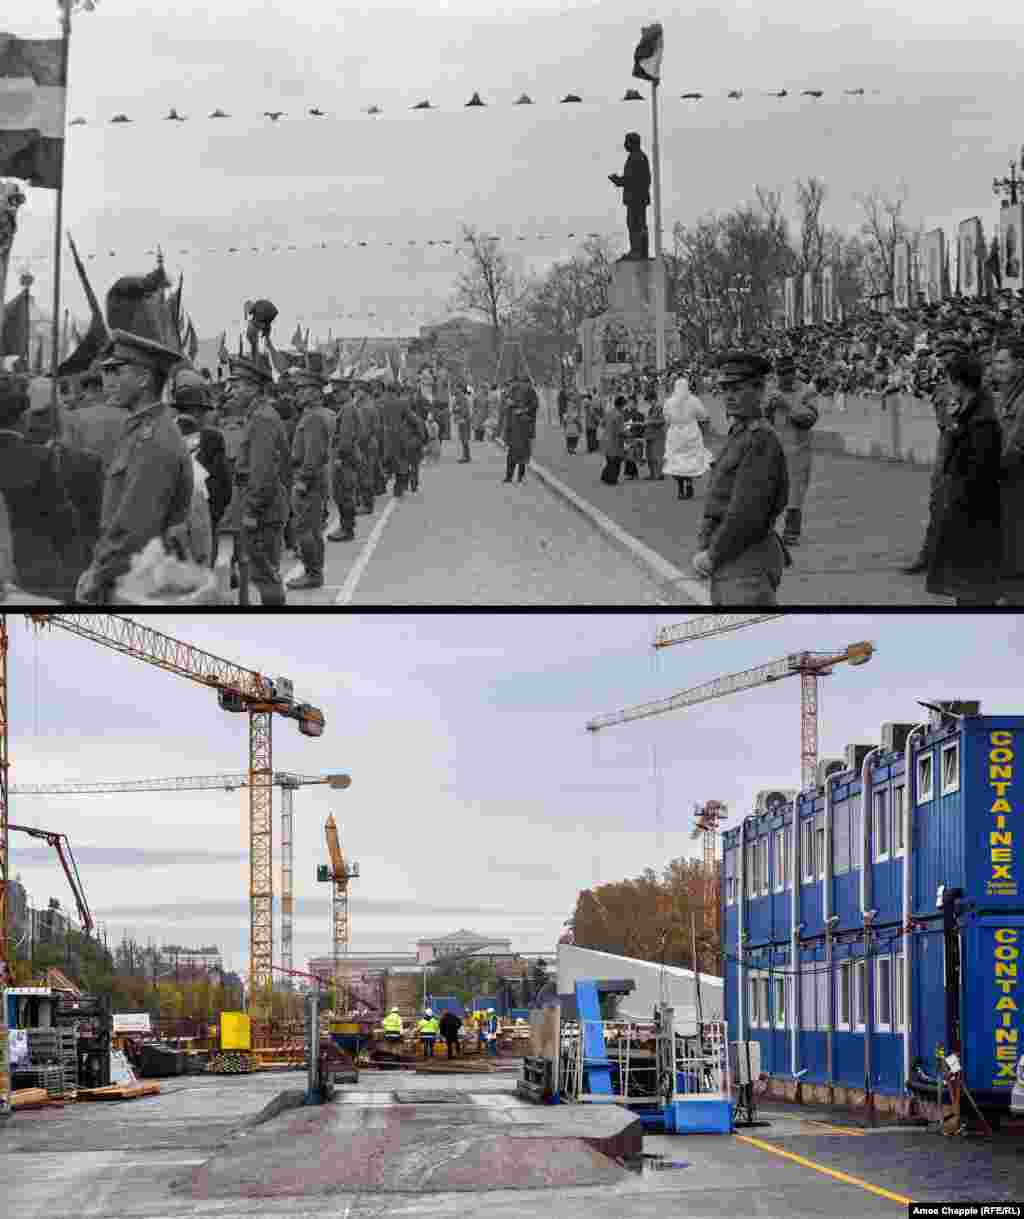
951,939
908,847
794,934
865,826
741,900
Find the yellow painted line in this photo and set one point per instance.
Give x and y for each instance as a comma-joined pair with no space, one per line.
815,1125
828,1172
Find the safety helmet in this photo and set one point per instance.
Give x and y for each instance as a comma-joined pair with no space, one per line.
394,1009
428,1012
490,1011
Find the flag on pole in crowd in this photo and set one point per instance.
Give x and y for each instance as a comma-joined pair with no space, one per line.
946,282
223,355
32,115
647,56
993,271
89,345
297,338
191,342
37,367
176,309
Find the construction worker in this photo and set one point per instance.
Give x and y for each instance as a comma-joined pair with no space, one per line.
449,1027
493,1028
393,1026
427,1030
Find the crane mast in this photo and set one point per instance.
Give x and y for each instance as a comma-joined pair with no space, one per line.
339,873
67,862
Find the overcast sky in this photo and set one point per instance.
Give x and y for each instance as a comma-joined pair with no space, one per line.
945,119
478,799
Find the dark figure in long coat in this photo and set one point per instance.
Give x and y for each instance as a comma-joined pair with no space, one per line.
635,181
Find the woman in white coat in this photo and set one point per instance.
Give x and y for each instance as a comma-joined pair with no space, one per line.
686,456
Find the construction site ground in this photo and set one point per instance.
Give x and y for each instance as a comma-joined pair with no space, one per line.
400,1144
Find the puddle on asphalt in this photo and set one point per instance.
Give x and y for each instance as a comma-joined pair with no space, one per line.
645,1165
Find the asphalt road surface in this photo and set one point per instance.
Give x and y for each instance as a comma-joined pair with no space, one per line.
140,1159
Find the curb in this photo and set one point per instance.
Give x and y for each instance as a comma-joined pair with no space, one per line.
667,575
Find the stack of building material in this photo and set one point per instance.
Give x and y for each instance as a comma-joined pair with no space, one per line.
233,1063
33,1098
50,1077
119,1092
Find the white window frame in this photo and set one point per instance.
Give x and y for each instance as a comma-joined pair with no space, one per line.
899,964
844,978
883,1012
820,846
762,866
856,836
808,991
766,999
779,988
730,881
925,760
860,997
787,849
749,870
779,862
898,814
885,820
950,747
807,851
753,996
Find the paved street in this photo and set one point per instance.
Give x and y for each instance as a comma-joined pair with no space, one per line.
864,519
469,539
144,1159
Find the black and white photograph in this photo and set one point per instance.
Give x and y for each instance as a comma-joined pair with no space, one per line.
267,275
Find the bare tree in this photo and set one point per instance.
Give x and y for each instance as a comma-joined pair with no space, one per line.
810,199
488,287
882,229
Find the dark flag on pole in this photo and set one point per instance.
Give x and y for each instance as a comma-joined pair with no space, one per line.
32,115
89,347
647,56
14,332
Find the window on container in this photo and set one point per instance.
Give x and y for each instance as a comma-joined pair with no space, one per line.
844,982
860,981
883,994
779,1011
808,982
730,877
899,982
841,839
856,836
779,870
787,842
764,1000
880,824
898,812
762,865
821,985
924,778
749,879
950,767
807,851
753,1017
819,846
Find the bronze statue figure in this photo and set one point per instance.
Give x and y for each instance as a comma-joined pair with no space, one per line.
635,181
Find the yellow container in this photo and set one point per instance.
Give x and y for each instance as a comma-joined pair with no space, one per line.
344,1027
235,1031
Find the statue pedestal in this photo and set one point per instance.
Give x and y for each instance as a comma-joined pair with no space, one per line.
632,286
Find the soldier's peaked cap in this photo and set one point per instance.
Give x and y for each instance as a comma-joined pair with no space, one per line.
244,368
741,366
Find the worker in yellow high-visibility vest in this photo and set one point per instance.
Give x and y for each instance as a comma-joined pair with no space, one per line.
427,1029
393,1026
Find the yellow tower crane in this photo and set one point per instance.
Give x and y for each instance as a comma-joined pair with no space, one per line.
287,782
339,873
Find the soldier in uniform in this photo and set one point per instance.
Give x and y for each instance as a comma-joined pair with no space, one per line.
461,413
310,455
345,462
148,482
793,413
261,474
739,549
399,424
369,426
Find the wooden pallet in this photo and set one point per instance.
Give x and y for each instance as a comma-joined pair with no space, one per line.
119,1092
33,1098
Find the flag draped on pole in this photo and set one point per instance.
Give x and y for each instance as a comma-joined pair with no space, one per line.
191,342
14,331
95,339
647,56
32,95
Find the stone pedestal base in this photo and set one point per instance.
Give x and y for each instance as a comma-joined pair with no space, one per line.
632,286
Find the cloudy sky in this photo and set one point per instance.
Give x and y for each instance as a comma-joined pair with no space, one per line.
944,119
478,798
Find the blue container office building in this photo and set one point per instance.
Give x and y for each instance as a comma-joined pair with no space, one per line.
903,877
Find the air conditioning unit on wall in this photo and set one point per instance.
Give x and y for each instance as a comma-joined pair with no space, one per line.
894,737
855,755
772,801
829,766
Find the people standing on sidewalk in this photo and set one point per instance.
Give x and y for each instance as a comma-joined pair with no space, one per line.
592,419
740,552
432,449
686,456
1008,369
461,415
427,1030
611,442
966,558
572,421
311,450
415,440
346,458
792,412
518,437
632,430
654,438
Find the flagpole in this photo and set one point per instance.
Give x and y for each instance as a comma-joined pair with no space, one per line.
659,270
65,21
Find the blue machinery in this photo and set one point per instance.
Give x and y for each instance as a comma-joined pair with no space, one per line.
680,1084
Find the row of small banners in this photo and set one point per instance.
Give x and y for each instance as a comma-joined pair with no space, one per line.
524,99
448,247
924,272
